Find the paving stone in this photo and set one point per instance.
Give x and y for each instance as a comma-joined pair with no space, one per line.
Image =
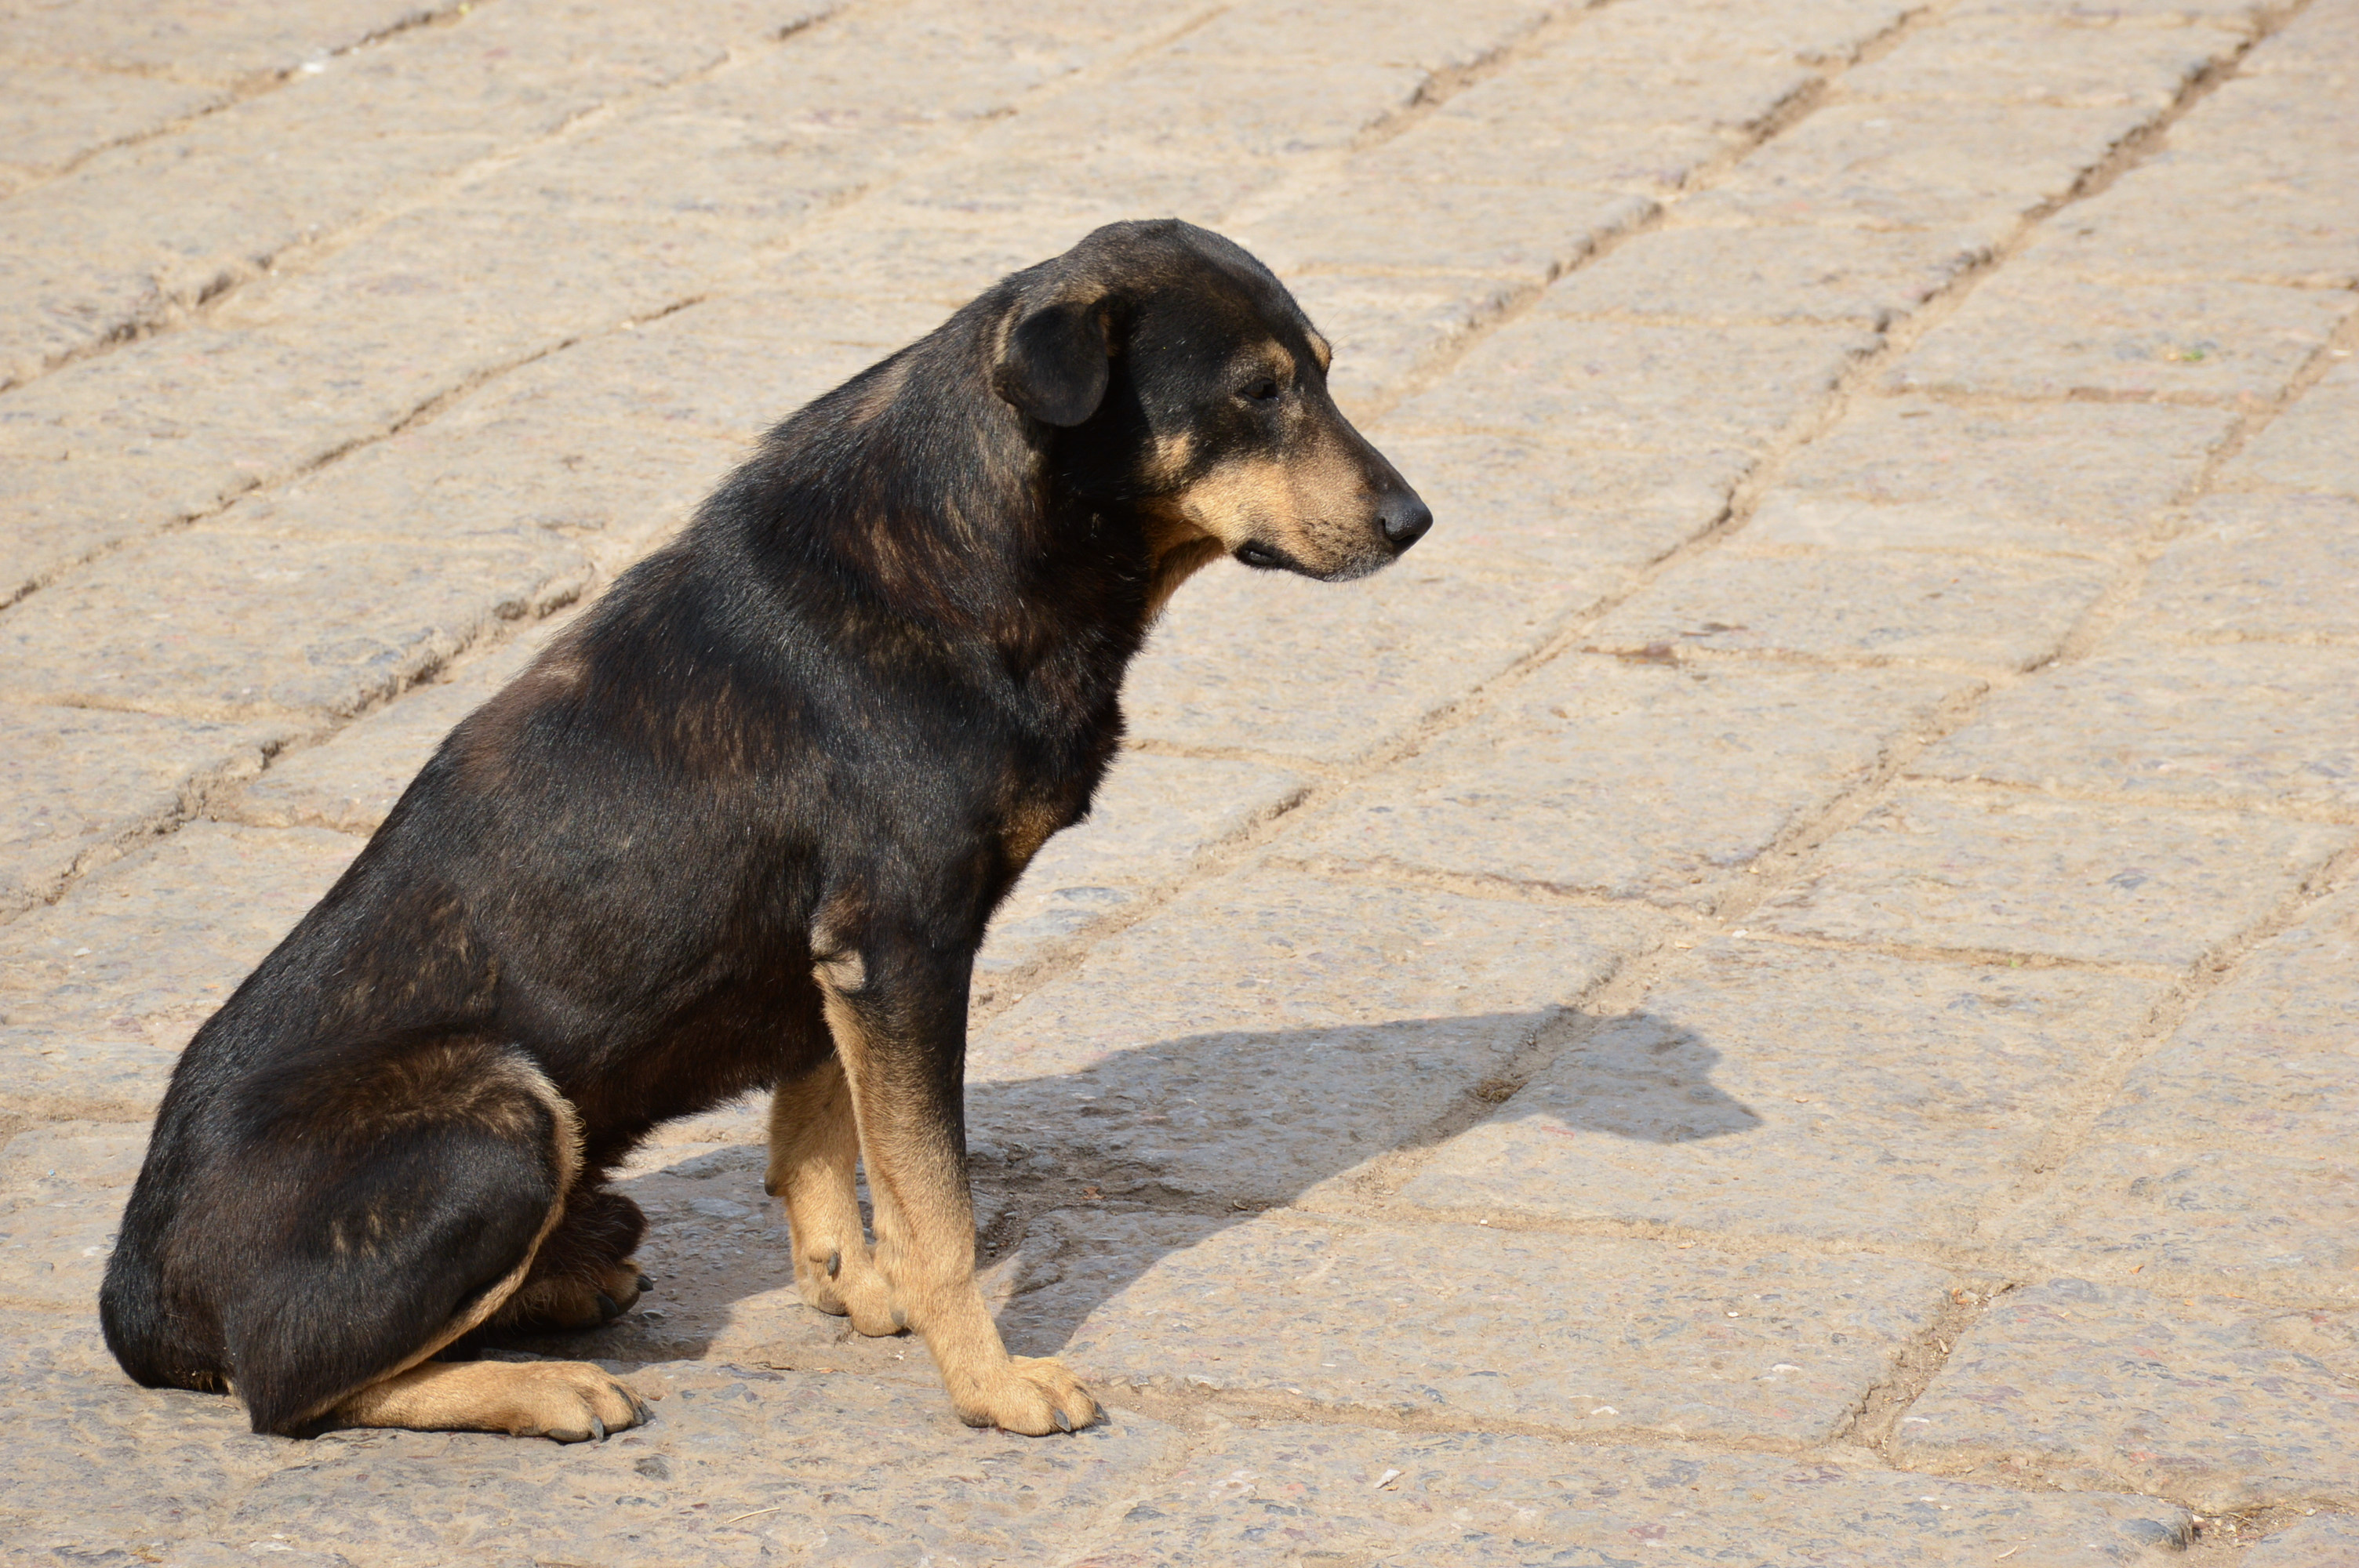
1274,663
729,367
2281,1222
1583,521
2118,884
230,42
2243,721
1524,232
2315,43
2331,1540
1269,1030
169,1461
1775,273
62,1188
701,1478
1930,164
1775,1090
70,1156
1680,37
78,785
1626,384
1385,329
513,480
52,115
1630,781
1286,1493
1477,140
113,1070
2264,1061
1895,605
1800,523
2210,219
112,244
168,932
351,781
1152,818
2039,334
2221,1403
2255,567
1203,104
2309,446
1453,38
2070,476
261,626
1586,1333
2045,59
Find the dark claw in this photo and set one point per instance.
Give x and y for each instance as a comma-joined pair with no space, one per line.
607,1310
1064,1422
598,1427
900,1318
835,1262
646,1284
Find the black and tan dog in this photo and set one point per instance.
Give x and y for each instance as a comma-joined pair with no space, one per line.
740,829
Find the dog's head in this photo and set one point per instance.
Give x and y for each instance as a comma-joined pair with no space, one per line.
1183,379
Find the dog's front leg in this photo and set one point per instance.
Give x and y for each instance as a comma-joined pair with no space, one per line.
898,1015
814,1151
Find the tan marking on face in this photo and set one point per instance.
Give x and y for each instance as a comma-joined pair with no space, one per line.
1311,505
1167,463
1320,349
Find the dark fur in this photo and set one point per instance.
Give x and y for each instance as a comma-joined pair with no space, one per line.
833,718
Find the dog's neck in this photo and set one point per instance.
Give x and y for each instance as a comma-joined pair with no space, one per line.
1177,550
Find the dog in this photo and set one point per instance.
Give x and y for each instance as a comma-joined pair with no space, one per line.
740,828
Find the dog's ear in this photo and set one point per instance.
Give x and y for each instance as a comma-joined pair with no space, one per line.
1054,364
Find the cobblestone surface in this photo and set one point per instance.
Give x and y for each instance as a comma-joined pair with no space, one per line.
1783,990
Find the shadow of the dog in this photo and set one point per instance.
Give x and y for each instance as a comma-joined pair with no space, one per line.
1086,1180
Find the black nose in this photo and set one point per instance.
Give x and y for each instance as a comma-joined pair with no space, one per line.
1404,518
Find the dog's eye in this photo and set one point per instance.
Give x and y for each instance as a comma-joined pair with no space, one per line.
1262,390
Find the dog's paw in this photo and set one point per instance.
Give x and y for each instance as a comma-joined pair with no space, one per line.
565,1402
849,1285
571,1302
1030,1394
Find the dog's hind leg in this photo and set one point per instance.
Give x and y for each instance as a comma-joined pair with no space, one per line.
402,1211
814,1146
583,1275
900,1033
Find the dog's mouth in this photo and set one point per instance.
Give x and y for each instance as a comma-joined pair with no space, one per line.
1269,559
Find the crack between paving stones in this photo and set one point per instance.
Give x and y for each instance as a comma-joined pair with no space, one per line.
305,252
245,90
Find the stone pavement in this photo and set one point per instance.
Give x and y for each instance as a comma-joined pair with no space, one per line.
1785,989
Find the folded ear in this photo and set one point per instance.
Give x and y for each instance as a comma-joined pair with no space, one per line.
1054,363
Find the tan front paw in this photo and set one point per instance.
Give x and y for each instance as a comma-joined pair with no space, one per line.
1030,1394
569,1402
848,1285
